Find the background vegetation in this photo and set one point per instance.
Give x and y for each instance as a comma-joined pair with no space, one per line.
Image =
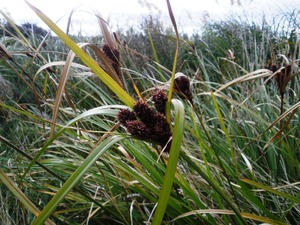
65,158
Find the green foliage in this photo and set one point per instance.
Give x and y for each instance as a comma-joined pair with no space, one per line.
250,45
151,43
234,153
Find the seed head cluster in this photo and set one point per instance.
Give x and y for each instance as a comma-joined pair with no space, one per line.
282,77
114,55
126,115
143,111
148,123
160,99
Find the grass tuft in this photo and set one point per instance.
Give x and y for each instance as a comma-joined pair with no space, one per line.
150,126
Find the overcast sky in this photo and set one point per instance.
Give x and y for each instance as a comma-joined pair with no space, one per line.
190,14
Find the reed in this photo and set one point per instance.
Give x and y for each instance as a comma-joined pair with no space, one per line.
101,134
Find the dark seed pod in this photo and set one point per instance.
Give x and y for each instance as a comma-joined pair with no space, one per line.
138,129
282,78
273,68
160,98
125,115
114,55
144,112
183,86
161,130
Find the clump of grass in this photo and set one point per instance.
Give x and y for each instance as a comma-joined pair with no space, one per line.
70,162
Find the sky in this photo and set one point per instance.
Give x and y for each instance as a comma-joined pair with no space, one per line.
189,14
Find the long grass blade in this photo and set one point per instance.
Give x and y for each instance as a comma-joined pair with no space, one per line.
272,190
103,110
168,105
214,185
75,177
110,83
223,126
229,212
13,25
172,163
60,89
18,193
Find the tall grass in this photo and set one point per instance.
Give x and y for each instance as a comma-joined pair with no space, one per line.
233,157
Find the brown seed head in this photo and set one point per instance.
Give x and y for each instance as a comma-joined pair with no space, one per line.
160,98
282,78
114,55
161,130
138,129
273,68
125,115
144,112
183,86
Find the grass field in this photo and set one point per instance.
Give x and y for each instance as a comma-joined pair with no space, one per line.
151,127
